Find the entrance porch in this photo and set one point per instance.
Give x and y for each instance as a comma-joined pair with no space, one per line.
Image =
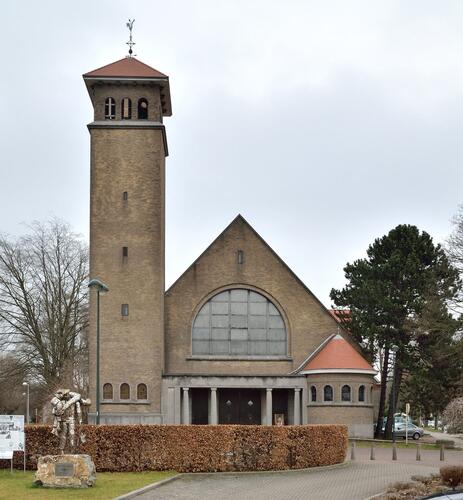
234,400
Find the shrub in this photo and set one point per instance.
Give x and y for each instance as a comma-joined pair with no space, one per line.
453,416
197,448
452,475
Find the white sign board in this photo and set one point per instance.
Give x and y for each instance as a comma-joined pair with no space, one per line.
11,433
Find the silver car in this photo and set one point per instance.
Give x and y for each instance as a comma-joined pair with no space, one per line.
413,431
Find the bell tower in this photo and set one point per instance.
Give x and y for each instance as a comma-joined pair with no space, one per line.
127,228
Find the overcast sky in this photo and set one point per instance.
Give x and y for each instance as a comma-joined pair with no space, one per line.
325,124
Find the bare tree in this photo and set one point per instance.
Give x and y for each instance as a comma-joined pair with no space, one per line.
44,302
454,250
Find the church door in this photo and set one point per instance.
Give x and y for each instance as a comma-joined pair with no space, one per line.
239,406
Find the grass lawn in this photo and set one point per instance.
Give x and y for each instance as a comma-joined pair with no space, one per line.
108,485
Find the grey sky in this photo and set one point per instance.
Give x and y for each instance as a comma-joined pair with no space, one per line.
325,124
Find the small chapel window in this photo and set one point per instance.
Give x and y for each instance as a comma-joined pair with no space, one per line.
125,391
125,252
124,309
110,108
125,195
328,393
345,393
126,108
142,109
313,394
107,391
142,391
362,393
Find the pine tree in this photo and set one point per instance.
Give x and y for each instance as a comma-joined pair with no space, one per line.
384,291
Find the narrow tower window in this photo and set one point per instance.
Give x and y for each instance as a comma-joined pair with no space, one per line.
125,195
110,108
126,108
125,309
125,391
125,252
142,109
142,391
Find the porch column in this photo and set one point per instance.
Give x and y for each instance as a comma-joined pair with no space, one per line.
268,406
297,406
214,418
186,406
304,406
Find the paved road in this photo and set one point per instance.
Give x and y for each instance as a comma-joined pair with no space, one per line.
353,481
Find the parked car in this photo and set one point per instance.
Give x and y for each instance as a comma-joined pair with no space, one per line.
412,430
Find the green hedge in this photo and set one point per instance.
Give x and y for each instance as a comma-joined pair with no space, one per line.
197,448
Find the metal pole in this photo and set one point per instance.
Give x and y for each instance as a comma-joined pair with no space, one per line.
98,357
393,403
27,409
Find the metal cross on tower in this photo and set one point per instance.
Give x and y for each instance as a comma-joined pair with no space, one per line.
130,43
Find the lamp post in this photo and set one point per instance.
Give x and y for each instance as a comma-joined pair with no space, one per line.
26,384
100,288
394,350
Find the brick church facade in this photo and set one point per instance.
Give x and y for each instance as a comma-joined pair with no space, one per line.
238,338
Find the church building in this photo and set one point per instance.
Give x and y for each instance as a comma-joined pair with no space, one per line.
238,338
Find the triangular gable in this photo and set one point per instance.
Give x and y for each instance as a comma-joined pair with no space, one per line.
239,219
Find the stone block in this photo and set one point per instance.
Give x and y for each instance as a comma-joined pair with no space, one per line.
65,471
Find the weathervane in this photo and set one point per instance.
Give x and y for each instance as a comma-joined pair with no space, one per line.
130,43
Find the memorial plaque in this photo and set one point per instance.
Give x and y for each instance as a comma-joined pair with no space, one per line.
64,469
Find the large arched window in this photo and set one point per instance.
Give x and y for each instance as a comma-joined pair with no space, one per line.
107,391
345,393
239,322
125,391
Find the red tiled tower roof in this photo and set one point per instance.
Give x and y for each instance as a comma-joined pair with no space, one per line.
336,354
128,67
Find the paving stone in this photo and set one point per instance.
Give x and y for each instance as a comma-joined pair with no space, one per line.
352,481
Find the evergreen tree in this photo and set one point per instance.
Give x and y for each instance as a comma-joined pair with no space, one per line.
437,354
384,291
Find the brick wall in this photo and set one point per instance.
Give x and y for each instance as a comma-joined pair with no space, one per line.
307,321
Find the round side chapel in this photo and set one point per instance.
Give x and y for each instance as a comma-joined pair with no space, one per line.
238,338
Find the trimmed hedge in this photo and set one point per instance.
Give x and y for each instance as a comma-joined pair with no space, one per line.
197,448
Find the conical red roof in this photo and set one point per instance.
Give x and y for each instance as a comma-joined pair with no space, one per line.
337,353
128,67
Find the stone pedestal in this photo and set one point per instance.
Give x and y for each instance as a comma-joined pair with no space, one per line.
65,471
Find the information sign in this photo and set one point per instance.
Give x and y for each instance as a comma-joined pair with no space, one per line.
11,433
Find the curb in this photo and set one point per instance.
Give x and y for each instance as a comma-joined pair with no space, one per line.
149,487
263,472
